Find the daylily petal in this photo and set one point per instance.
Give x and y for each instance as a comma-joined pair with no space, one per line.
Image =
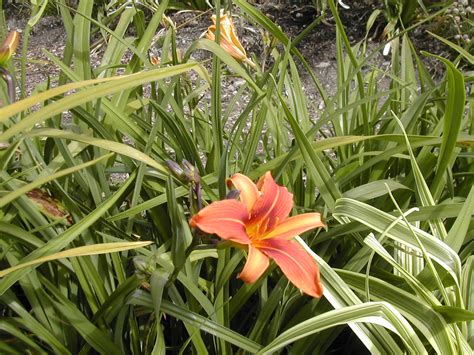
295,225
226,25
257,263
229,28
230,48
210,33
297,265
273,205
248,190
225,218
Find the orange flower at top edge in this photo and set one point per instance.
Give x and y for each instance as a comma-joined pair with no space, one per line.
228,37
9,46
260,221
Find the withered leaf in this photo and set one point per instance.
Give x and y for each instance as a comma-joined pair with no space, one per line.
49,206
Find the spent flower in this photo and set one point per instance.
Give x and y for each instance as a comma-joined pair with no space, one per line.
229,40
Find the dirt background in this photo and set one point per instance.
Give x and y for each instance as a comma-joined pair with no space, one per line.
318,47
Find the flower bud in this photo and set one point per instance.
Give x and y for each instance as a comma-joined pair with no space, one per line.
143,265
192,175
9,47
233,195
175,169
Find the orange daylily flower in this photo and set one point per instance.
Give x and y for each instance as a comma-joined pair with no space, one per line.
260,221
228,38
9,46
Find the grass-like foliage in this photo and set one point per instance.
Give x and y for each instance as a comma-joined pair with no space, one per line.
96,252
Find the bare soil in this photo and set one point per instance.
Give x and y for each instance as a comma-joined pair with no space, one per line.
318,47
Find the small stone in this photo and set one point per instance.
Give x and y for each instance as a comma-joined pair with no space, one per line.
323,65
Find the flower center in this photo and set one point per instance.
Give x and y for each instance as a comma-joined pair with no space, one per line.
255,230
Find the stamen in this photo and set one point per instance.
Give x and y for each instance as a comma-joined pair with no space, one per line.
264,225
